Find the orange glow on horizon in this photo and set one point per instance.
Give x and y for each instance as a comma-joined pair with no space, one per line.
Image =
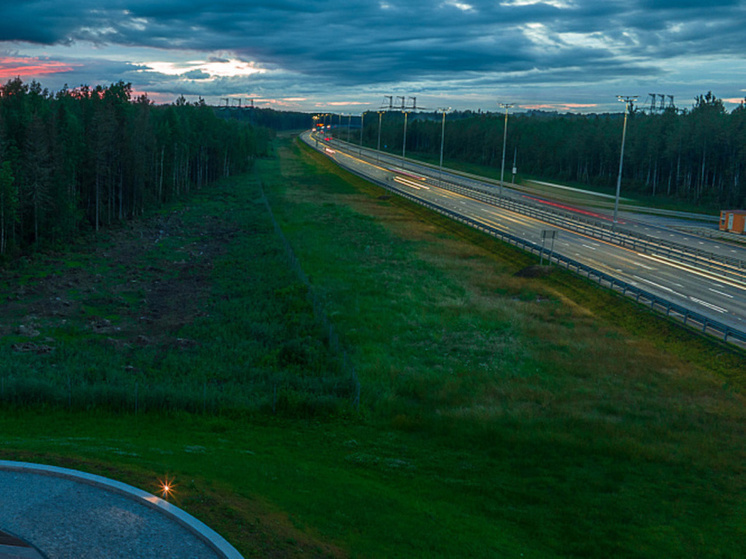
13,67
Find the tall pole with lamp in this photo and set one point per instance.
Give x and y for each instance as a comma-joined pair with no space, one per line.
378,155
506,106
362,121
442,142
627,100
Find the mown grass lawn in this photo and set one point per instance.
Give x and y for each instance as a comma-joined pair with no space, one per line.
500,416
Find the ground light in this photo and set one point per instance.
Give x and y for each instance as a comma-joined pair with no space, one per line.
166,487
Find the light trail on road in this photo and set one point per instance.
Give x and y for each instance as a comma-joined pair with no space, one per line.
688,285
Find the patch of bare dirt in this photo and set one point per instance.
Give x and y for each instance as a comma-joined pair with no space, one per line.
136,285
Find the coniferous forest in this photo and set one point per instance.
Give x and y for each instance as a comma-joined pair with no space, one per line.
81,159
696,155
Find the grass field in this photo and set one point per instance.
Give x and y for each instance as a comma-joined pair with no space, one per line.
500,415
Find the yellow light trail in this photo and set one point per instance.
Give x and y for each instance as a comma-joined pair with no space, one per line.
704,274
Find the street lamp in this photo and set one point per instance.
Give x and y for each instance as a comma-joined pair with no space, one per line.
404,143
627,101
380,115
442,142
506,106
362,121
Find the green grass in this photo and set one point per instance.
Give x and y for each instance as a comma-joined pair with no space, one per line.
500,416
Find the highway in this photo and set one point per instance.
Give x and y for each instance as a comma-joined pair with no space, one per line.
703,276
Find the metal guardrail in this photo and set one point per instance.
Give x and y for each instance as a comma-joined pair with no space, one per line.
690,318
731,267
727,266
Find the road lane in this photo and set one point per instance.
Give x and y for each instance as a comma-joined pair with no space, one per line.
717,298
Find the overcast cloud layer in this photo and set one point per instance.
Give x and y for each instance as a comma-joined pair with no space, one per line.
346,56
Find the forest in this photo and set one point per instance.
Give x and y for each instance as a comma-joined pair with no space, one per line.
695,155
84,158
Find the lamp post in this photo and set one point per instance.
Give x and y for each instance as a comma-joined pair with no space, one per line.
362,121
404,142
349,122
378,155
442,142
627,100
506,106
515,158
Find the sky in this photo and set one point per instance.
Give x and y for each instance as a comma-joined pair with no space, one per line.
346,56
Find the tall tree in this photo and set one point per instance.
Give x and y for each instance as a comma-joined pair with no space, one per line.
8,204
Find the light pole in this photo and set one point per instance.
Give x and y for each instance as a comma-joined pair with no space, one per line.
349,122
442,142
362,121
515,158
380,115
627,101
404,143
506,106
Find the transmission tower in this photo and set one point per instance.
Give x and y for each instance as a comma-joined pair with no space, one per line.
658,102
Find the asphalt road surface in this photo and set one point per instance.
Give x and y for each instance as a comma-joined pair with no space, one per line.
718,296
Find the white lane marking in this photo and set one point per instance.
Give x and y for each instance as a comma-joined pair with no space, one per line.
721,293
659,286
709,305
641,265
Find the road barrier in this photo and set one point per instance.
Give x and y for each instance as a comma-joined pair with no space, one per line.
727,266
662,305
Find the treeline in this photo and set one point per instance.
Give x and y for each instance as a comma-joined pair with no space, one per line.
697,155
83,158
268,118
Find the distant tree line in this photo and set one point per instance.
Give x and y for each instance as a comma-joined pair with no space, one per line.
83,158
697,155
268,118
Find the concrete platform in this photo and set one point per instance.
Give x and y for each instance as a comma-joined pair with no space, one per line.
57,513
12,547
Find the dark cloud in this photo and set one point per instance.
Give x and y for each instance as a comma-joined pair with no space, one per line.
368,43
196,75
